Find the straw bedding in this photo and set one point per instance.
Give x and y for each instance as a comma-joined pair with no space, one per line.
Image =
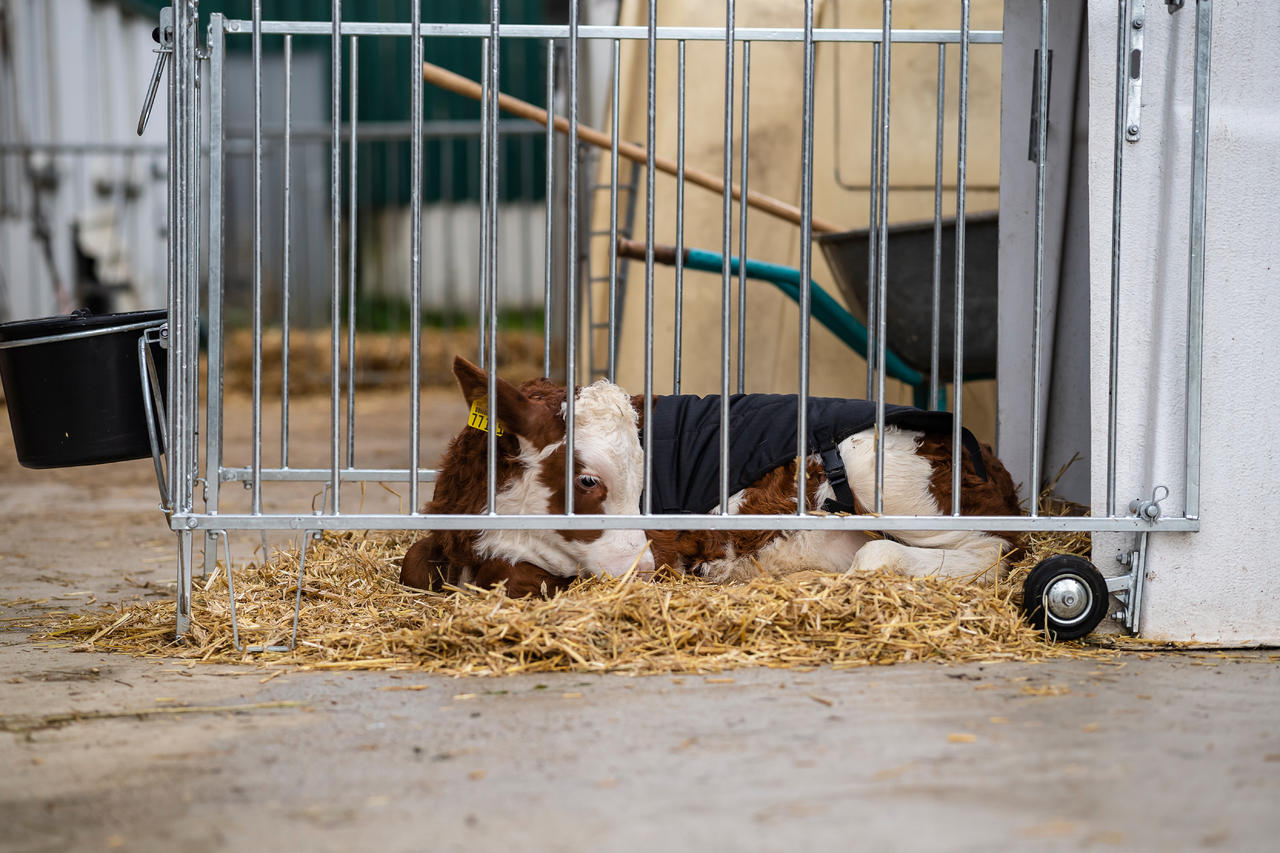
356,616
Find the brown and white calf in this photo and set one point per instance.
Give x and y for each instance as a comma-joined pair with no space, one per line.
608,479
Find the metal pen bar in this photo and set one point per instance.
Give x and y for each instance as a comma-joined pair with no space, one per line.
742,216
962,141
1037,333
726,225
1195,259
335,206
872,219
374,521
935,331
489,206
256,417
550,193
482,320
191,378
285,260
415,259
613,214
213,378
571,283
628,33
353,145
1117,188
882,288
680,120
806,263
650,174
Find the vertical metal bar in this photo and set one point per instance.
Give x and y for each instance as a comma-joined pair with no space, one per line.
1042,128
935,331
483,320
285,262
571,284
680,119
550,193
353,118
873,218
1195,260
882,289
962,142
213,402
650,173
613,213
806,261
335,289
415,254
726,225
256,416
489,209
742,217
1117,189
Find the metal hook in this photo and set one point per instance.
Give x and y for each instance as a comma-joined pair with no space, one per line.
1149,509
163,36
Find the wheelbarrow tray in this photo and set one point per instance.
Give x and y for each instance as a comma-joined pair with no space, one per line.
909,291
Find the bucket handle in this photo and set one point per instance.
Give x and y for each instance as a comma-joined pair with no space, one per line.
153,401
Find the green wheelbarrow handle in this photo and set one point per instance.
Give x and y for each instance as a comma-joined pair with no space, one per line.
825,309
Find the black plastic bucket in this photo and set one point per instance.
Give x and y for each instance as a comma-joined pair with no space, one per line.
78,400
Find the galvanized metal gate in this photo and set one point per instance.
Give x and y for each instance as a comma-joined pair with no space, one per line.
196,479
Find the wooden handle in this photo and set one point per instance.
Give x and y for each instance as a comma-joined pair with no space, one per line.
466,87
635,250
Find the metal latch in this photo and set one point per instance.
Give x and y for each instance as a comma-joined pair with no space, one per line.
163,36
1133,71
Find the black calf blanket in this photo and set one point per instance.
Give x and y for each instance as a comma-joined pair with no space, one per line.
762,436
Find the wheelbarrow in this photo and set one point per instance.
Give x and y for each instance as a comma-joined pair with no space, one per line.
825,308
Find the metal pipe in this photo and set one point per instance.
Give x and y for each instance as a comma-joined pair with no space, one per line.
935,331
1117,206
483,264
335,203
650,174
1037,333
726,226
1195,259
806,262
286,248
550,193
962,142
213,379
613,216
680,122
490,285
873,219
415,259
744,158
571,284
351,254
256,415
882,289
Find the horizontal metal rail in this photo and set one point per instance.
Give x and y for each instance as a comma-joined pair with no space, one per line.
323,475
355,521
545,31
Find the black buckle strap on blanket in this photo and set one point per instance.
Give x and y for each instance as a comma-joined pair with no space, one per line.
838,478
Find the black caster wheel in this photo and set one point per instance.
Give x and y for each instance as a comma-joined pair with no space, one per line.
1066,596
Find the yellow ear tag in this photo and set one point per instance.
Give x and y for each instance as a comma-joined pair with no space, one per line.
479,417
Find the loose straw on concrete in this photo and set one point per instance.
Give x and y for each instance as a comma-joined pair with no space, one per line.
356,616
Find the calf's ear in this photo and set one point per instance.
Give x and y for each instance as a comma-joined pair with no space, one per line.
516,411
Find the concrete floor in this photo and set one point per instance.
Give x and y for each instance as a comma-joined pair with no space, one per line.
1165,751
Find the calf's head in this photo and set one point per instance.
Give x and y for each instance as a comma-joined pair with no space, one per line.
531,478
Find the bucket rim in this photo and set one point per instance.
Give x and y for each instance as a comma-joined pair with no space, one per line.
47,330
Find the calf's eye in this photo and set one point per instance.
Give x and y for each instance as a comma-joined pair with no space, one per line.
587,482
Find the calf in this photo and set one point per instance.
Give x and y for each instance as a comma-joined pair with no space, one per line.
608,478
609,472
